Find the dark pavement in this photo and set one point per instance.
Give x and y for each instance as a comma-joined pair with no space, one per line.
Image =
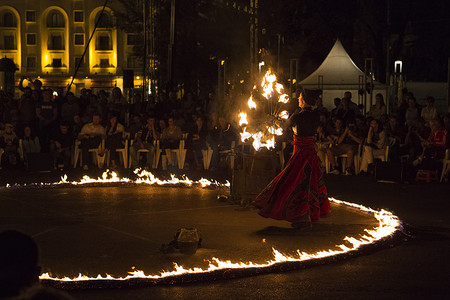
110,229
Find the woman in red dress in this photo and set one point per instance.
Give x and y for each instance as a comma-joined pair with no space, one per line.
298,194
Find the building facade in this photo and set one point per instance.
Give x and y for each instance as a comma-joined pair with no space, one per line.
46,40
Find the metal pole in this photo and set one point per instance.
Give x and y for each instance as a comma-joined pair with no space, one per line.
171,42
256,47
86,47
252,42
388,40
144,74
365,86
219,91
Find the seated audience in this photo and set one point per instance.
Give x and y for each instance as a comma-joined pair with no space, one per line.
171,136
30,143
434,147
196,142
376,143
115,133
345,112
337,104
70,109
145,139
10,144
379,109
91,136
61,146
412,113
429,112
347,143
396,133
323,142
46,113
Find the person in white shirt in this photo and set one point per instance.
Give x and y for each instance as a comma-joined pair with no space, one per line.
91,136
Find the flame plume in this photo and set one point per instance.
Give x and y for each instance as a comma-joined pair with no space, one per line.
266,121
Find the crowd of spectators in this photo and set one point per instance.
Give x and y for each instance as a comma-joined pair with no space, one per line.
415,135
47,121
43,121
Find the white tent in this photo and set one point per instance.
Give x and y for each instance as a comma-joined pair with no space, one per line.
337,74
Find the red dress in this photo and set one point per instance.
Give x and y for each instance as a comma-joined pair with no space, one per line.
298,193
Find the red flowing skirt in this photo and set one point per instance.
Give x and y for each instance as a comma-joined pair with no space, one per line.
298,193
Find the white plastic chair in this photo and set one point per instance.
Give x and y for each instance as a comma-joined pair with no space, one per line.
123,151
77,154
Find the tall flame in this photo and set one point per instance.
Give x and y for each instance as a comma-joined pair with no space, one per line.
270,89
284,114
251,103
243,119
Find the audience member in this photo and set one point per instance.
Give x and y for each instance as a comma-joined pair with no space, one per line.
115,132
351,105
379,108
145,139
433,147
345,112
135,125
171,136
10,144
412,112
323,142
376,143
117,104
46,113
347,143
91,136
396,133
61,146
27,110
196,142
70,109
30,143
19,268
429,112
337,104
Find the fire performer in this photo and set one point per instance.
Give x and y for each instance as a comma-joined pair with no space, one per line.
298,194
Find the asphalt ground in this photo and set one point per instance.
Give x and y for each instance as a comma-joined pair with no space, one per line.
109,229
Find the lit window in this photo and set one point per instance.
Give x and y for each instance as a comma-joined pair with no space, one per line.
105,20
31,62
31,16
77,62
9,20
79,39
104,63
55,19
31,39
8,42
103,43
78,16
132,39
57,63
56,42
